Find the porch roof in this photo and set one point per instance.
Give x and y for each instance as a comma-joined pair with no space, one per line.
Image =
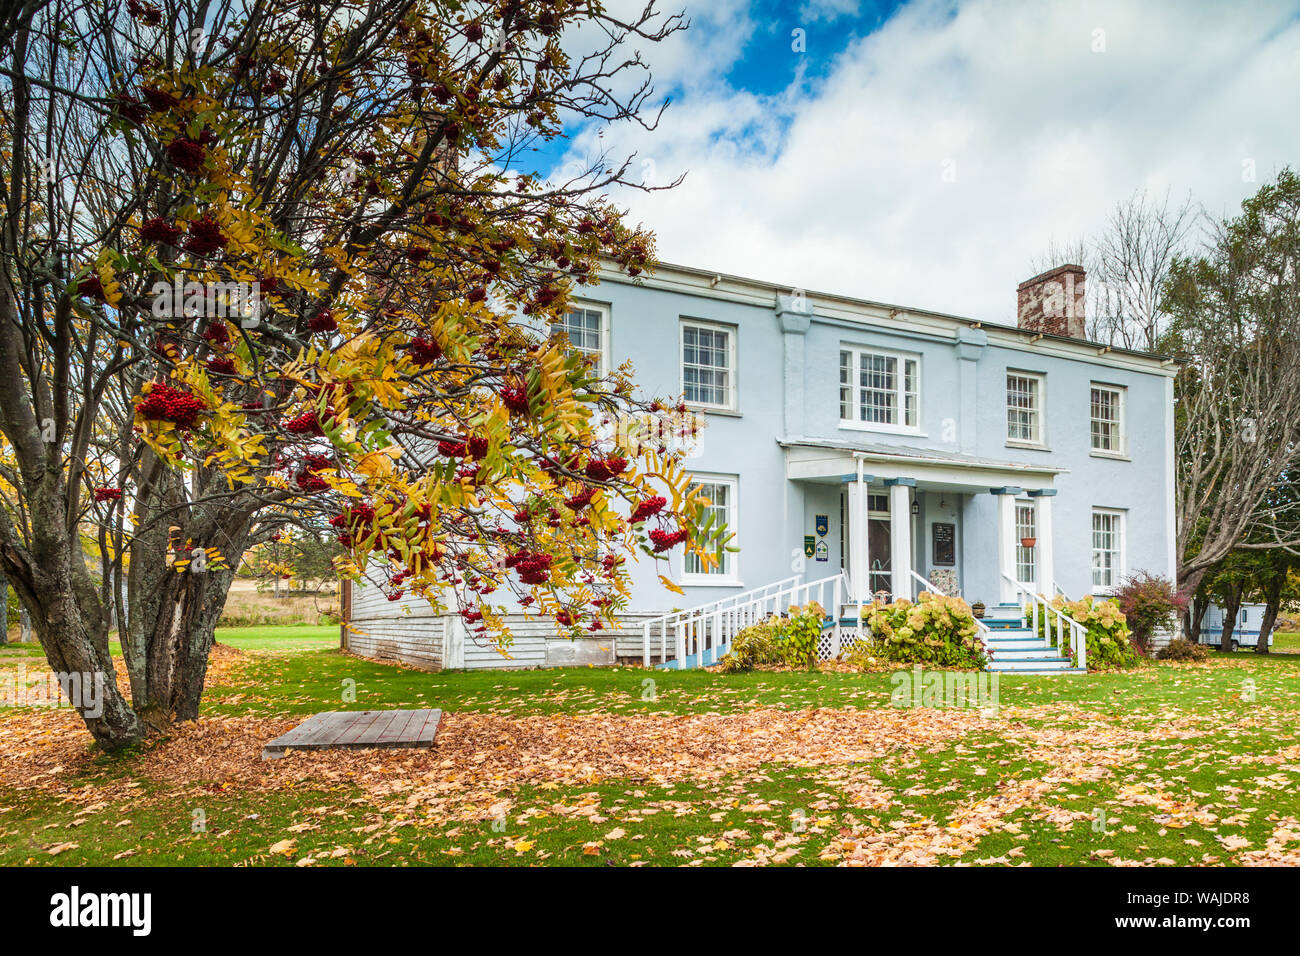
833,460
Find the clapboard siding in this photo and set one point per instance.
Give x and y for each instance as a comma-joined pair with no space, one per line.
410,631
416,641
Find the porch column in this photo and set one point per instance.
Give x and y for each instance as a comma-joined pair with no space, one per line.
900,535
1006,543
856,519
1043,519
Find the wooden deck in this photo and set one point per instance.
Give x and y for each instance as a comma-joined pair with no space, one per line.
358,729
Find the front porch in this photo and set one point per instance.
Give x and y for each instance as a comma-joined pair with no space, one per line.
898,520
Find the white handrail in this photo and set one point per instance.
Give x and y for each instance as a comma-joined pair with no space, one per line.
1078,633
710,627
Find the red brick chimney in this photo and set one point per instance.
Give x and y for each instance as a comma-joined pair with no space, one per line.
1053,302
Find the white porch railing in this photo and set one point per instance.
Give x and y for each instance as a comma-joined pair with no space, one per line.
1041,609
704,632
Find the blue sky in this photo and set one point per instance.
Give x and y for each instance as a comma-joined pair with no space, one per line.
923,153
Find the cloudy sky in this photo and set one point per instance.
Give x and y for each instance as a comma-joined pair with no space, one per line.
924,153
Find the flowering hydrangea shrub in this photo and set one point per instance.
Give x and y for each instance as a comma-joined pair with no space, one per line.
936,629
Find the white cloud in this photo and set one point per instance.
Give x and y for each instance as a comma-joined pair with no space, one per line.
836,184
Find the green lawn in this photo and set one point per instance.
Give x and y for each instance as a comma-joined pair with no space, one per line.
1164,764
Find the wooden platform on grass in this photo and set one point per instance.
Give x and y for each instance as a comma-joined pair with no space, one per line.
358,729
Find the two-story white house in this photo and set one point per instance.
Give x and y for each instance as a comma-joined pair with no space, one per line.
880,445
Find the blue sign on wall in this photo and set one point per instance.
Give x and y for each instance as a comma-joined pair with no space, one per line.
823,524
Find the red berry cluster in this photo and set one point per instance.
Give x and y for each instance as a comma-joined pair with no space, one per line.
581,499
533,567
515,399
310,481
205,236
423,351
304,424
351,520
186,154
222,365
314,462
92,288
648,509
663,540
323,321
603,469
158,229
609,562
217,333
108,494
164,403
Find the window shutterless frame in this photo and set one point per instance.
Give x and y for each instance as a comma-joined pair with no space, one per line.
1026,407
1106,419
706,362
587,327
1109,560
880,390
726,571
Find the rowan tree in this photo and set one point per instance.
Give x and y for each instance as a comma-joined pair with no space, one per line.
276,262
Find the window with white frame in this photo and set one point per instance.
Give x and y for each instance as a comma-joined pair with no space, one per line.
880,390
1107,413
1025,407
1107,549
1026,555
721,493
586,328
709,365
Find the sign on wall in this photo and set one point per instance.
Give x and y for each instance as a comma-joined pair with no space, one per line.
823,525
809,545
943,543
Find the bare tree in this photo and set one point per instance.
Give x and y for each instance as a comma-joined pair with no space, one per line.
1127,264
1236,317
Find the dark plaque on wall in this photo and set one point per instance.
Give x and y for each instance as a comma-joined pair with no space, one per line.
943,543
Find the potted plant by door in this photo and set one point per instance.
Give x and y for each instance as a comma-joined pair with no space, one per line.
977,608
1028,542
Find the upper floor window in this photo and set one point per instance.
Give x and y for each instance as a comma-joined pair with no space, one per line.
1025,407
1107,549
1107,413
587,329
709,365
880,390
721,493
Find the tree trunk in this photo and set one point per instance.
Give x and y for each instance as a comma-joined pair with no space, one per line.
1230,610
1273,588
4,609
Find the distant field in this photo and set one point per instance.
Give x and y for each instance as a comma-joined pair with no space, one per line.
246,606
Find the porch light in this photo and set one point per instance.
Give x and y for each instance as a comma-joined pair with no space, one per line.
916,507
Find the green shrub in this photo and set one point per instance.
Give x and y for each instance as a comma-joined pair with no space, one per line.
936,630
777,641
1181,649
1109,641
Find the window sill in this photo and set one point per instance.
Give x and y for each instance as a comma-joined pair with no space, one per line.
883,429
1112,455
1027,445
703,581
714,410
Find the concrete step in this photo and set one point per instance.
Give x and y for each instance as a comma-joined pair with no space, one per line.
1046,665
1026,654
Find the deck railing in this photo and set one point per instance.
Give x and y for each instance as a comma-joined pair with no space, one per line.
1040,608
700,635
